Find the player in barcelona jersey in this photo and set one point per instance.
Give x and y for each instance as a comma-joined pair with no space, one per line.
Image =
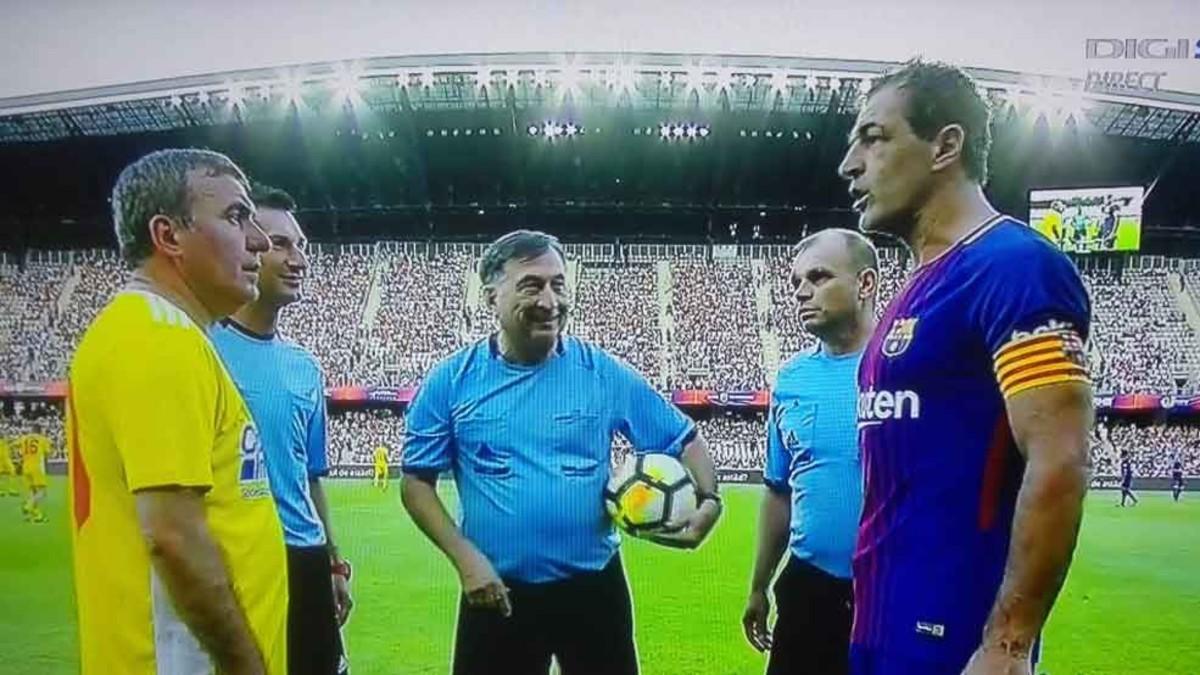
974,402
178,552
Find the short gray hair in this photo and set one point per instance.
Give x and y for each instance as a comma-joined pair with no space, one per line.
157,184
516,245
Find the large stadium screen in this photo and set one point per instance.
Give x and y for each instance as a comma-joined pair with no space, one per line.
1089,220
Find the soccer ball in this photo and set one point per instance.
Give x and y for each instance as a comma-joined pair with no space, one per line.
649,491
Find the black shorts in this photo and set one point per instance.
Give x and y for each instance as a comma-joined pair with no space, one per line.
314,640
586,622
812,628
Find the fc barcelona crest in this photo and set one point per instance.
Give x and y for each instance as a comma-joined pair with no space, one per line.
899,337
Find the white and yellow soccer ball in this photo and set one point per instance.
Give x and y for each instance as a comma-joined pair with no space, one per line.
648,491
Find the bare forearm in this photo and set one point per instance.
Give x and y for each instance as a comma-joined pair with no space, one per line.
421,500
1045,528
700,464
773,519
318,496
190,566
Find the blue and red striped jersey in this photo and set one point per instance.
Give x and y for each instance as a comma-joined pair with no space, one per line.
999,312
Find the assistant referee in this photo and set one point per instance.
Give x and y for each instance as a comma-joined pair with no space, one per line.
813,475
525,421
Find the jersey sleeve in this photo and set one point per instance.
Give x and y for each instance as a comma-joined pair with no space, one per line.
1035,316
776,474
161,399
644,417
429,445
317,441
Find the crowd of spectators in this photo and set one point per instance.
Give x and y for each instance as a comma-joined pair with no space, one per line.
1140,342
616,308
716,342
1151,448
28,312
419,319
737,441
354,435
20,419
328,320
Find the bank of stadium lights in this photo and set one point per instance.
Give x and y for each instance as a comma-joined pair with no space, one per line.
552,129
465,131
779,81
235,95
623,79
776,134
725,80
569,80
347,84
483,79
291,88
677,131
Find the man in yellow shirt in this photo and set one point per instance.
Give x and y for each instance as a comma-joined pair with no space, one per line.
8,473
34,447
380,478
178,551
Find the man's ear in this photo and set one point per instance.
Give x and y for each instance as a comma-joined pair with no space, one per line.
868,283
489,296
948,146
164,236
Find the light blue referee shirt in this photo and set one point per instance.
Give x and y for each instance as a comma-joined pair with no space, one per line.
812,453
282,385
530,446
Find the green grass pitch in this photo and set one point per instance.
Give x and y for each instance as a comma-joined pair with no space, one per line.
1131,604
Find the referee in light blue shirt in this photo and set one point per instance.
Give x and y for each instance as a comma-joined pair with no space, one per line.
813,498
283,387
525,421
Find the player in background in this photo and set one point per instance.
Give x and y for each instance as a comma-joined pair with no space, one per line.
34,447
974,399
8,471
1052,222
379,478
1127,480
525,419
283,385
1108,224
813,476
178,552
1176,479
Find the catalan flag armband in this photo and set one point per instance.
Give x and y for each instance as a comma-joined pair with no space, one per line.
1039,360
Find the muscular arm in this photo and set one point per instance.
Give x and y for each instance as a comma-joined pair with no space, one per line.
1050,425
187,559
774,517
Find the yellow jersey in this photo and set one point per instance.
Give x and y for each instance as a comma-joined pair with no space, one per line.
34,448
6,463
381,458
150,405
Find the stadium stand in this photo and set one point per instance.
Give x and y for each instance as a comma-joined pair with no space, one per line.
382,314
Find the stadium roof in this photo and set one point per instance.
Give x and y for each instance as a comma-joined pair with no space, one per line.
649,81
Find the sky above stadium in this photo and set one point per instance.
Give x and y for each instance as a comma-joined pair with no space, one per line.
56,45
